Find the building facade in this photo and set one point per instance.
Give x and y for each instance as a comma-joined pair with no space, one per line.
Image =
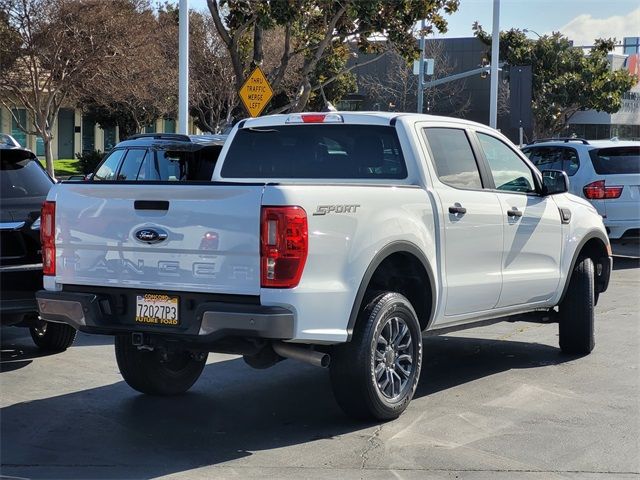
74,133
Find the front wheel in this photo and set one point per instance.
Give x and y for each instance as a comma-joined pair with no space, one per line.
375,375
152,373
577,311
53,337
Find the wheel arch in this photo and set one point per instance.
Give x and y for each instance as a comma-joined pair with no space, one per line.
594,245
396,255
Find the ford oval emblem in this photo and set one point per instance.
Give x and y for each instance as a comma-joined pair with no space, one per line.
151,235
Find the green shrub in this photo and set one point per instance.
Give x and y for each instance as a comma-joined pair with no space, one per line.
89,160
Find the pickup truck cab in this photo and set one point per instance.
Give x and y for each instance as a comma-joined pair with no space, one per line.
333,238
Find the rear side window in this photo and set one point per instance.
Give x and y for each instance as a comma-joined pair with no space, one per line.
109,167
315,151
131,165
554,158
616,160
453,158
21,175
192,165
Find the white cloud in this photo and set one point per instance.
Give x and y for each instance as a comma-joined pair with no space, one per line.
584,29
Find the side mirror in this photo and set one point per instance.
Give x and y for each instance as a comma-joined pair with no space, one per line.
554,181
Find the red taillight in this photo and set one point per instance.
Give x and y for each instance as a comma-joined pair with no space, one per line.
283,246
598,191
48,237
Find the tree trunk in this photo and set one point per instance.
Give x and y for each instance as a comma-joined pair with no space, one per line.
46,139
302,101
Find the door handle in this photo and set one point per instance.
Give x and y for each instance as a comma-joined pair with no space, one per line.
454,209
514,212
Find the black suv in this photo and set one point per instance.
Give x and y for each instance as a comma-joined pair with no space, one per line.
24,185
161,157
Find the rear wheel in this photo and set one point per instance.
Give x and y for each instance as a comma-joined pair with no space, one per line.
153,373
577,310
53,337
376,374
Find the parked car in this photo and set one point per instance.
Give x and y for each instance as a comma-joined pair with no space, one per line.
160,157
24,185
7,141
332,238
605,172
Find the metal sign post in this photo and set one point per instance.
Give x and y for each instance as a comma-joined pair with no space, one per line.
495,59
183,67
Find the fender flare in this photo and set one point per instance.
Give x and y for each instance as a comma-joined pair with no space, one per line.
399,246
589,236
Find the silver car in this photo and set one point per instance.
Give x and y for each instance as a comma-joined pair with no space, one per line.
605,172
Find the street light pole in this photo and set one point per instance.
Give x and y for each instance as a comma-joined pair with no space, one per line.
183,67
421,70
495,54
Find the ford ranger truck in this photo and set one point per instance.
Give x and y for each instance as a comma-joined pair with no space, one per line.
338,239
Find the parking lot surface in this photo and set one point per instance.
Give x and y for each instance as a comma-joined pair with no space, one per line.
493,402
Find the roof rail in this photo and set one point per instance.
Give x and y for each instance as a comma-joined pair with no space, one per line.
161,136
560,139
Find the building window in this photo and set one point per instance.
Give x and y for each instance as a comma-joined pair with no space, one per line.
19,135
39,147
631,45
169,125
109,138
151,128
349,105
88,135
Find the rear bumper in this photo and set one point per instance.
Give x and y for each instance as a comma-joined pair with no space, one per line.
208,321
621,229
19,285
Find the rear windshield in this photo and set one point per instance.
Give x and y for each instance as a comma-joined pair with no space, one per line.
21,175
315,151
616,160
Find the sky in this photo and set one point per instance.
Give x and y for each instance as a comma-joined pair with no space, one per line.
581,20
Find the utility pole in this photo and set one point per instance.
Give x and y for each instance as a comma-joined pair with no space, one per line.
183,67
495,60
421,69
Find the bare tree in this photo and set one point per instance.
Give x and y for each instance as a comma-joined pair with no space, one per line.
54,45
142,85
449,98
212,85
397,89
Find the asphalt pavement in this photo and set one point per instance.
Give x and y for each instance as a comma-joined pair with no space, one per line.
496,402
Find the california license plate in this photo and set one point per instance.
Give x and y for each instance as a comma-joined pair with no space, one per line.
157,309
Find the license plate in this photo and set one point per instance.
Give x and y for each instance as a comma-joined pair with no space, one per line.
157,309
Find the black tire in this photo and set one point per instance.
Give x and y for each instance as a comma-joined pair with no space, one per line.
53,337
147,372
577,311
359,369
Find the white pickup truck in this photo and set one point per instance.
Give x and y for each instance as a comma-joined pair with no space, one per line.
338,239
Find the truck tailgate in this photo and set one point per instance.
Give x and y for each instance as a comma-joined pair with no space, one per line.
212,240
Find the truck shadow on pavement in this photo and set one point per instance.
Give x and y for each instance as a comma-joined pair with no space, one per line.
233,411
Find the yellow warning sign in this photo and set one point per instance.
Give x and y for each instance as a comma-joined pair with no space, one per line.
256,92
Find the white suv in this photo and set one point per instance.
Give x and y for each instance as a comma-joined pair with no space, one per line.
605,172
